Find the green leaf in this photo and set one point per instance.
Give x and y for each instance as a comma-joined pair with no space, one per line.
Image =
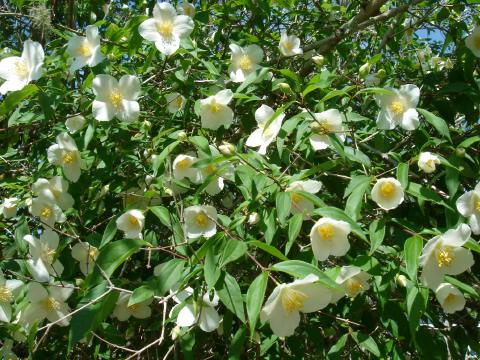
233,250
426,194
300,269
377,233
109,233
211,270
169,274
236,345
162,214
12,99
200,143
437,122
231,296
357,155
355,200
294,227
402,174
255,295
283,202
337,214
268,248
139,295
113,255
88,135
158,161
412,250
366,343
336,350
255,76
416,305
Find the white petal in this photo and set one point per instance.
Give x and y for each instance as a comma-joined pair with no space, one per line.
183,25
102,86
148,30
224,97
319,142
457,237
410,120
129,86
5,312
103,111
209,319
186,316
131,111
465,205
411,93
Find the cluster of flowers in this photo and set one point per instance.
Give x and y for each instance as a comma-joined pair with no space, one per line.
442,255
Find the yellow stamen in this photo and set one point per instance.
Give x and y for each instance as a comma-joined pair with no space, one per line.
47,254
354,287
210,168
133,220
476,42
178,102
50,304
477,205
292,299
397,107
133,307
45,212
116,98
68,157
445,257
430,163
92,253
387,189
245,63
326,231
321,128
296,197
201,219
21,69
6,295
183,164
165,28
215,107
84,50
288,45
449,299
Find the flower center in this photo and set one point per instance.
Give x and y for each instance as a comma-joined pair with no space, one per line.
201,219
321,128
5,295
116,98
215,107
133,220
68,157
183,164
397,107
292,299
430,163
133,307
165,28
288,45
387,189
445,257
477,205
449,299
21,69
187,10
92,253
45,212
326,231
245,63
179,102
210,168
84,50
476,42
50,304
354,287
296,198
47,254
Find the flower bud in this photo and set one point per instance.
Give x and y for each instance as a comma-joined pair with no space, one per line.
318,60
227,149
284,86
364,70
253,218
182,135
147,124
381,73
460,152
401,280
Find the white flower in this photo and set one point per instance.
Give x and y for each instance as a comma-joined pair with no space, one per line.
216,173
202,311
65,153
469,206
131,223
450,298
43,263
55,191
19,71
75,123
227,149
182,168
283,306
300,204
139,310
244,61
253,218
9,289
166,28
9,207
85,50
187,9
329,237
215,112
116,98
47,302
427,161
353,280
47,211
326,122
388,193
444,254
398,108
473,41
200,220
289,45
86,255
175,102
264,135
409,29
